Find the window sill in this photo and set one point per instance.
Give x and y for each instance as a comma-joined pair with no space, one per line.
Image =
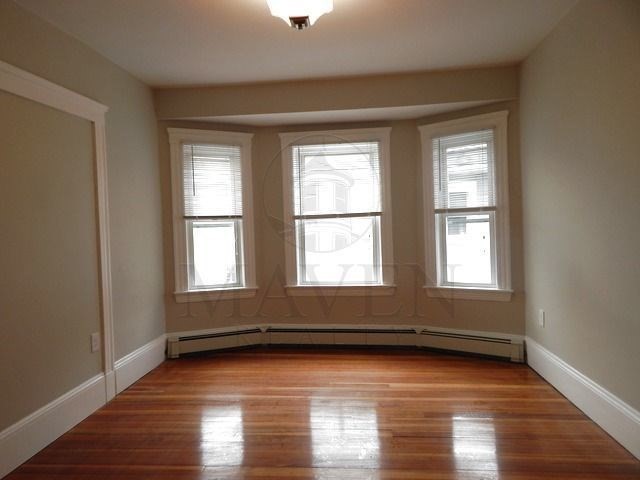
213,295
340,290
464,293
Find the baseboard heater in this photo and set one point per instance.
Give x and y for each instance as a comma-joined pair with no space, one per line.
472,342
278,335
213,340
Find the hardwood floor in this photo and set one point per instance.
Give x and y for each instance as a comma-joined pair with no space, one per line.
335,414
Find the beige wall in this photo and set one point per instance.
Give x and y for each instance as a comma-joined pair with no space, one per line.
49,290
581,183
375,91
409,306
134,201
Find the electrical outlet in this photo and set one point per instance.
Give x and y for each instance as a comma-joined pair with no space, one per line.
95,342
541,319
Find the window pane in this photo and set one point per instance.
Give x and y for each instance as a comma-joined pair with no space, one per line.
214,245
339,251
337,178
468,248
463,170
212,180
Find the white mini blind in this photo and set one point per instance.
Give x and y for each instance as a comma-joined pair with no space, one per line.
212,181
341,178
463,170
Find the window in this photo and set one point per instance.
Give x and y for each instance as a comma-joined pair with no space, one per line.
466,207
338,211
213,222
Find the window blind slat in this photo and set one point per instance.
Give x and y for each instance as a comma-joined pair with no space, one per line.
463,167
341,178
212,180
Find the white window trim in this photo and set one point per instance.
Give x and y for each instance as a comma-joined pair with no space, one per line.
340,290
498,122
290,139
177,137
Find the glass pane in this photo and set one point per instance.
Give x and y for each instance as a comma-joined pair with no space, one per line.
469,248
212,180
463,170
213,246
336,178
339,251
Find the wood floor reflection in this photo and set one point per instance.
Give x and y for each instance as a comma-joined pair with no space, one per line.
335,414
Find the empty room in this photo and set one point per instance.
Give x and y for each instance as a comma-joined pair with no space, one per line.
320,239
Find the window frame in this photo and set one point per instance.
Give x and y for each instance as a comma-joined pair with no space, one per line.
435,287
177,138
291,139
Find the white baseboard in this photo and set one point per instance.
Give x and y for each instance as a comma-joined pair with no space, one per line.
138,363
618,419
23,439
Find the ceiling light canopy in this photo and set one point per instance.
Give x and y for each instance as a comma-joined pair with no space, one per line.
300,14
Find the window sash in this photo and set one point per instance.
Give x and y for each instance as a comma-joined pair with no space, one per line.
226,160
462,164
235,179
238,256
343,201
299,225
370,151
212,180
493,200
441,247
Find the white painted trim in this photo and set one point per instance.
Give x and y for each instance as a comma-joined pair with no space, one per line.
32,87
383,136
24,84
455,293
616,417
130,368
214,295
104,240
497,121
177,137
23,439
290,241
340,291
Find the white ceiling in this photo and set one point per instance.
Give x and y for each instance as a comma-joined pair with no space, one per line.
337,116
206,42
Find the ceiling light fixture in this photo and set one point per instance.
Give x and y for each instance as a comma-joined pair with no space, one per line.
300,14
